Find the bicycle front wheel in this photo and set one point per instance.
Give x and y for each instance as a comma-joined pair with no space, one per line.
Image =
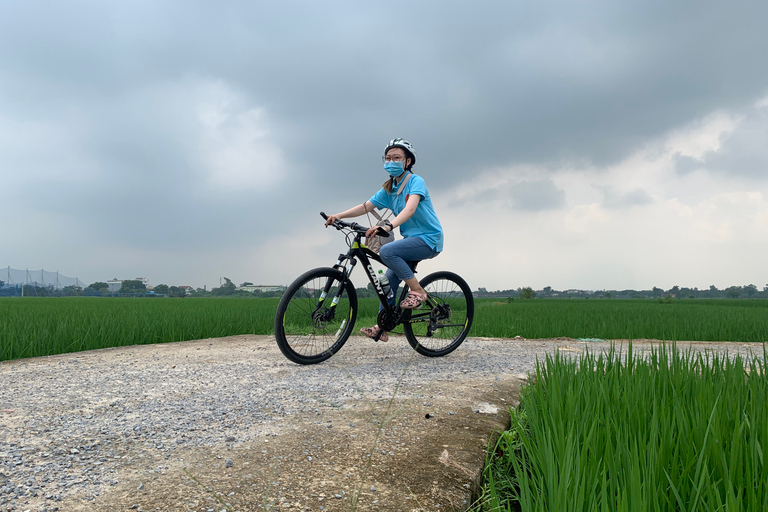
315,316
440,325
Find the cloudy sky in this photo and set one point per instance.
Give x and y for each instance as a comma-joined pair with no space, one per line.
587,145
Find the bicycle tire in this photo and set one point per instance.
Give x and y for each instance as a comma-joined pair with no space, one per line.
439,330
309,330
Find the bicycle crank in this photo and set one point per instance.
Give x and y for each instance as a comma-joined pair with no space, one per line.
385,321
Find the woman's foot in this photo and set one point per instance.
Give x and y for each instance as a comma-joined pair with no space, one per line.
414,300
371,332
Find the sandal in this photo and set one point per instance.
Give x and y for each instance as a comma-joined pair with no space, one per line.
371,332
413,301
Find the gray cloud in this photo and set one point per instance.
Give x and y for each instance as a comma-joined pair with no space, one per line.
744,151
684,164
536,195
100,120
621,200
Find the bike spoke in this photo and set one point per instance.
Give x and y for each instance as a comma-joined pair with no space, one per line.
444,326
309,327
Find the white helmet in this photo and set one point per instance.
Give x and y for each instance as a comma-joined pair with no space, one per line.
402,143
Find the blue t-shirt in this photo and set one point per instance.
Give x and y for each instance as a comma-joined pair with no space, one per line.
423,223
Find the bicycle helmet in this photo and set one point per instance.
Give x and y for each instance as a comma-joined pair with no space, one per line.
404,144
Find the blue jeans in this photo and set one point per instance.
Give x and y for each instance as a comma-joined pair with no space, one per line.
398,257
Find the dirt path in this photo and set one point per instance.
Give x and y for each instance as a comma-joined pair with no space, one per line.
229,424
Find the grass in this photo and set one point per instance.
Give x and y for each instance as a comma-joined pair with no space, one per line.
672,431
679,320
45,326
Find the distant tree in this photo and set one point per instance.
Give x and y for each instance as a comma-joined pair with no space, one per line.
133,286
607,295
99,286
71,291
547,291
247,284
161,289
734,292
656,292
177,291
675,290
228,288
750,290
527,293
363,293
32,291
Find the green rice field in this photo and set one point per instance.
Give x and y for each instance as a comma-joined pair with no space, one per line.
44,326
670,431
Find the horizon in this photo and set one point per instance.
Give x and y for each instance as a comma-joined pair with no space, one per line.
760,288
603,145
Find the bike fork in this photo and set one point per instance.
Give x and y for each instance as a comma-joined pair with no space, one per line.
342,284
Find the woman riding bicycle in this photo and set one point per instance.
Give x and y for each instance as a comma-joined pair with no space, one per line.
414,215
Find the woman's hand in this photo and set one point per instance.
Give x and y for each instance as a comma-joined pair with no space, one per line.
331,219
374,230
355,211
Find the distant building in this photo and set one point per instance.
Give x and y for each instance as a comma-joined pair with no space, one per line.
260,287
115,285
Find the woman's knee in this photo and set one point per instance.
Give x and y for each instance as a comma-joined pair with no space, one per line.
387,253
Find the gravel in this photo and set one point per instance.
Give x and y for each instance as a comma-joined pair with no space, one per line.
70,424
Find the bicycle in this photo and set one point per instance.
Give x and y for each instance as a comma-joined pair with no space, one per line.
317,312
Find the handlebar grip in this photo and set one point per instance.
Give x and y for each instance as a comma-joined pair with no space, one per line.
323,215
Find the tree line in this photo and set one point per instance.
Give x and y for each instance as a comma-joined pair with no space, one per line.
135,287
749,291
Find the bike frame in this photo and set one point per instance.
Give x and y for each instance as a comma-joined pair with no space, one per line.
358,251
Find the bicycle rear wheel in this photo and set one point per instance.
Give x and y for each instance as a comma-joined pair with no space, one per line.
440,325
315,316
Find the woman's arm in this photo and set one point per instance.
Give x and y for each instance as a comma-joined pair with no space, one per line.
355,211
408,211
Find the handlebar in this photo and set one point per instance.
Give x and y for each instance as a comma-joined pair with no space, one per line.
340,224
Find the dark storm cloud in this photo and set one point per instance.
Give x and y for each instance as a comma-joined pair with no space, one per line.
100,102
504,81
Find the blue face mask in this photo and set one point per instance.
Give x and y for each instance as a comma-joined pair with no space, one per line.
394,169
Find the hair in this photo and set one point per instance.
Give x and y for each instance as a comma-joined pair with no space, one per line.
387,185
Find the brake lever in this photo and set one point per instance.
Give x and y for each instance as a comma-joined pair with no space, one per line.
336,224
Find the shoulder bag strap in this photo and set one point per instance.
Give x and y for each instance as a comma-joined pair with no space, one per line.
402,183
400,188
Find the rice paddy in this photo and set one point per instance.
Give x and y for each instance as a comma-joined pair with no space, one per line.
44,326
671,431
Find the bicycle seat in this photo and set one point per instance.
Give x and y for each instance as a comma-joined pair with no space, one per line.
413,264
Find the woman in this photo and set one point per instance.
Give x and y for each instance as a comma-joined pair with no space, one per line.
414,215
